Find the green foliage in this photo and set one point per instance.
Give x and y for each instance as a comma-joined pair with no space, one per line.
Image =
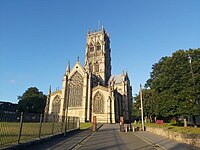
170,91
86,125
175,128
32,101
149,106
135,108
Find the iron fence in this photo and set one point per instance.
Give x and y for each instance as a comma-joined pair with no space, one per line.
16,128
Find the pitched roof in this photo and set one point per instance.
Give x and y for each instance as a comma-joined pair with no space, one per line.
116,78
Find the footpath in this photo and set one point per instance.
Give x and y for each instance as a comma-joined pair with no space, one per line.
108,136
163,142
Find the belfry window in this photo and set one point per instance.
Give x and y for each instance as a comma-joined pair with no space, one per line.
91,67
98,46
91,48
96,67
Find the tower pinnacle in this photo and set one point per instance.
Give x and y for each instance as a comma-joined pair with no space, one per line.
68,67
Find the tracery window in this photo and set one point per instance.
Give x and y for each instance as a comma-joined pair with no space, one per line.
98,103
56,105
75,90
91,48
98,46
96,67
91,67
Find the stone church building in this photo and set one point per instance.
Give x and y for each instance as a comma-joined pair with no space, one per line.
91,90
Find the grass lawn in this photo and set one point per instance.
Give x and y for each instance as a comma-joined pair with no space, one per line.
30,131
173,127
86,125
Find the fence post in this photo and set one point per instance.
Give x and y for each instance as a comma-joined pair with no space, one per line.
73,122
53,125
20,128
63,120
65,126
40,128
68,123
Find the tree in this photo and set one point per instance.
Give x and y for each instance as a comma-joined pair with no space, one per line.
172,82
32,101
149,106
135,108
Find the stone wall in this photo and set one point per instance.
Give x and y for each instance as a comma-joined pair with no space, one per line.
193,139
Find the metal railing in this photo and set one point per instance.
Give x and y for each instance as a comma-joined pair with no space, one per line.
16,128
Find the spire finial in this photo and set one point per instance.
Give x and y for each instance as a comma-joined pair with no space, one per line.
68,67
98,25
49,91
123,72
87,65
89,31
78,58
102,28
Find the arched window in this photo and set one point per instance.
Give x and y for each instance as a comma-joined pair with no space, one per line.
98,103
56,105
91,48
98,46
91,67
96,67
76,90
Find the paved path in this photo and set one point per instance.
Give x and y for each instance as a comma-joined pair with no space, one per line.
164,142
108,137
63,143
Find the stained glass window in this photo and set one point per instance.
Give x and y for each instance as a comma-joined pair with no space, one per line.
76,90
56,105
98,103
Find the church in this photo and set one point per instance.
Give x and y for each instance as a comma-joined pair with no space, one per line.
91,90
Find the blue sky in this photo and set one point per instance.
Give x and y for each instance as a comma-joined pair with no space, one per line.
38,37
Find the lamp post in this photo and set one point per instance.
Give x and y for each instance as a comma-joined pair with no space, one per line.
195,89
191,69
67,107
68,92
142,116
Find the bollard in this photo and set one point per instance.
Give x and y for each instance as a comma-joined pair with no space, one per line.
78,123
94,124
122,124
133,129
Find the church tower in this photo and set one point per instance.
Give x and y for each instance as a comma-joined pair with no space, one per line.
97,57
